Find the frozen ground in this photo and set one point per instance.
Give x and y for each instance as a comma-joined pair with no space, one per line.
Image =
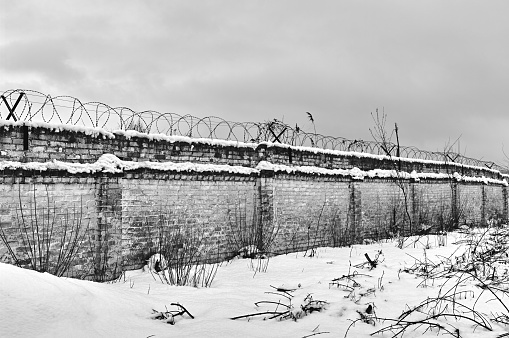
36,304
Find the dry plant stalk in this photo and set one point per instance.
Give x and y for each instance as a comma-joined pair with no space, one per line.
169,316
284,309
479,265
50,241
380,135
186,255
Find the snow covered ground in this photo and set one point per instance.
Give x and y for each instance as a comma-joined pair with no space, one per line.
36,304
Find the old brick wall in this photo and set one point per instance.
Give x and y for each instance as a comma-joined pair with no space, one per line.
470,201
47,212
433,202
221,209
45,144
383,209
204,207
310,211
494,204
74,145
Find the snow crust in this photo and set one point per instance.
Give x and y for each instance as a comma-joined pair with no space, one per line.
109,163
359,174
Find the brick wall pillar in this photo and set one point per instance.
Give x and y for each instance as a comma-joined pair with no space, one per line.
415,207
483,205
354,217
455,206
265,208
108,237
505,207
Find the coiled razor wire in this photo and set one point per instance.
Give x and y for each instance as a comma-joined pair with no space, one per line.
34,106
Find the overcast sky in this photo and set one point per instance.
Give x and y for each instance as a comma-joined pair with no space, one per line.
440,69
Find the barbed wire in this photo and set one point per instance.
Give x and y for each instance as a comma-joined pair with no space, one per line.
35,106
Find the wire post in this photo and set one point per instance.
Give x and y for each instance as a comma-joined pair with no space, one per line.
11,110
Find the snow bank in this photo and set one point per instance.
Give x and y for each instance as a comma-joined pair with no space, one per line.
41,305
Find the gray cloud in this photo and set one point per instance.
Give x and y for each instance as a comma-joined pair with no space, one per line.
43,58
438,67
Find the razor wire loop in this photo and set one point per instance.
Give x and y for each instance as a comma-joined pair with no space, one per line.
34,106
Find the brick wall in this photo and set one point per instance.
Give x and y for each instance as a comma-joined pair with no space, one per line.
203,206
383,209
494,204
434,205
470,201
47,212
310,211
220,210
46,144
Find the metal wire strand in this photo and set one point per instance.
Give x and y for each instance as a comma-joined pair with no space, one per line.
35,106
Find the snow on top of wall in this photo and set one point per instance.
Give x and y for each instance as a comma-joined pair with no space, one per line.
113,164
109,163
374,156
359,174
176,138
355,173
94,131
73,168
